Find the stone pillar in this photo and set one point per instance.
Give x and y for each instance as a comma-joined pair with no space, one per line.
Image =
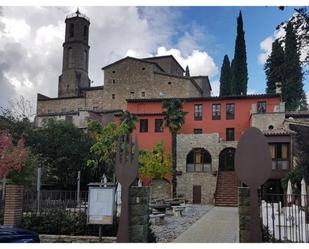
138,214
13,209
244,214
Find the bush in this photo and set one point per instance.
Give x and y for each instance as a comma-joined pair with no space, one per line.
61,222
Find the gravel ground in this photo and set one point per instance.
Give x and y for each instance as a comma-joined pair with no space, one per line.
174,226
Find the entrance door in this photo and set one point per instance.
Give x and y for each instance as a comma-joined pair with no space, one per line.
197,194
226,159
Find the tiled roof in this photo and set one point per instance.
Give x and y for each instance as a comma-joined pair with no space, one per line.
280,131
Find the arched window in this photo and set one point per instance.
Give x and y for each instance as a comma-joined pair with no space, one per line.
226,159
70,57
71,30
85,32
198,160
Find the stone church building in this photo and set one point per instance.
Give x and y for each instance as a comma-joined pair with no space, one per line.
78,101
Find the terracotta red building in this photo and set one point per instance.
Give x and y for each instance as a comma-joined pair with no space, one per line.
207,142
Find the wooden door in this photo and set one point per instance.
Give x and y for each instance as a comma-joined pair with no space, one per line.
197,194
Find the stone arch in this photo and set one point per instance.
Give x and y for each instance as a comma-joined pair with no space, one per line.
226,159
159,189
198,160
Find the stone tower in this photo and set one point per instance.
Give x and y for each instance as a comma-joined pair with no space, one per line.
74,75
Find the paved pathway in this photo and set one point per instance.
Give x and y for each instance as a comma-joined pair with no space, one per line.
220,224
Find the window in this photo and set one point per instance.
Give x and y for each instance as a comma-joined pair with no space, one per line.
261,107
198,160
114,72
280,156
71,30
216,111
198,131
169,83
113,96
113,81
143,94
158,125
70,57
230,111
95,108
132,93
85,58
143,125
198,112
230,134
85,32
143,68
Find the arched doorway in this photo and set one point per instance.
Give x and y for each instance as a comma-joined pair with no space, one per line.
198,160
226,159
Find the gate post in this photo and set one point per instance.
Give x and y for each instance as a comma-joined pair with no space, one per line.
13,209
244,214
138,214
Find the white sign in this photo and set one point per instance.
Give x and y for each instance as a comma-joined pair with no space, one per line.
101,205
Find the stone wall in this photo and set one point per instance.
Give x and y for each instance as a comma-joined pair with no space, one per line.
264,120
207,180
138,214
48,238
60,105
94,100
133,78
160,189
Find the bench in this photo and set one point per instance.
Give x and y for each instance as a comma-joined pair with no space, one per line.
158,218
177,210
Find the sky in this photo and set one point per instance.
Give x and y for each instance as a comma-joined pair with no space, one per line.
31,42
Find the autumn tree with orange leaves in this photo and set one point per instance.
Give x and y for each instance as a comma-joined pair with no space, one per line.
11,157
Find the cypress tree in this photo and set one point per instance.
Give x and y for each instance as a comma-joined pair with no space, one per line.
225,78
274,67
240,71
187,71
292,87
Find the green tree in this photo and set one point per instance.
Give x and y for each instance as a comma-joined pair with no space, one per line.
226,77
274,67
301,169
292,85
155,164
240,71
65,149
174,119
129,119
104,148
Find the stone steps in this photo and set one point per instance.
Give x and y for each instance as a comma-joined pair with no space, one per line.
226,191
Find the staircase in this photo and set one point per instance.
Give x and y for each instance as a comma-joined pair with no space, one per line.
227,189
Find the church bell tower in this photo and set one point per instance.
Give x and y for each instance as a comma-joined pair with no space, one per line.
74,75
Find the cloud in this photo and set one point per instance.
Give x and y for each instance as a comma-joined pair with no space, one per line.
199,62
215,86
31,41
265,46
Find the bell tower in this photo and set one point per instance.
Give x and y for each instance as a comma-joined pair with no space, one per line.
74,75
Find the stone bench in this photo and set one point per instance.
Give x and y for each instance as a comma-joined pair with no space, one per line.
158,218
177,210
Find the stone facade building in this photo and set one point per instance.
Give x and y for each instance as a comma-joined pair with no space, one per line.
77,100
213,125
